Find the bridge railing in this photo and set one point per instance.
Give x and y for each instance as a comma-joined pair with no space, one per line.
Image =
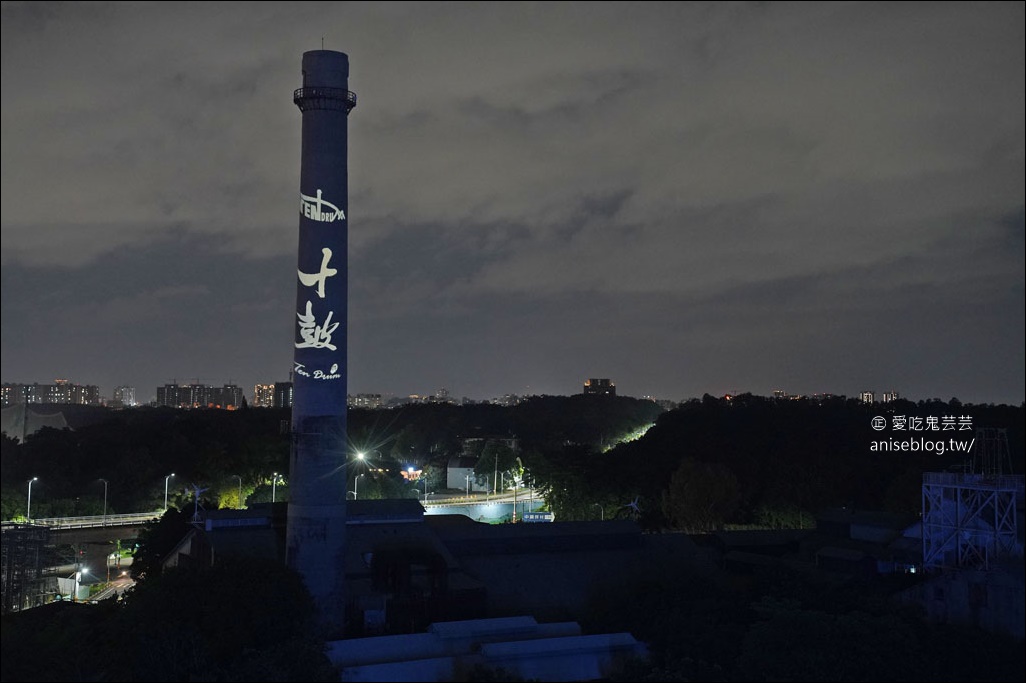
98,520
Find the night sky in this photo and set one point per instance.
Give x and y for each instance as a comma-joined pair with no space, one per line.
684,198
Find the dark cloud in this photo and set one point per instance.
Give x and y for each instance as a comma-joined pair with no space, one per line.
684,197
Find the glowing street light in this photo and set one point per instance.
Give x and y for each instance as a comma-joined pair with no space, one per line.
165,489
28,510
274,484
410,470
364,456
361,457
78,582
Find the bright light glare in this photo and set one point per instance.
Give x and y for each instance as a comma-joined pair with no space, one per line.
632,435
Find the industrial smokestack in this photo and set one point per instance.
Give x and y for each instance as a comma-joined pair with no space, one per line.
315,540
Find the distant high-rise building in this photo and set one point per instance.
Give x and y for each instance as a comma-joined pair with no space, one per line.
603,387
890,396
199,396
124,396
178,396
13,394
229,396
263,396
868,397
283,395
365,401
61,391
782,395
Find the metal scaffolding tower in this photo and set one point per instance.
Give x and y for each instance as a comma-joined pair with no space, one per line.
25,549
969,519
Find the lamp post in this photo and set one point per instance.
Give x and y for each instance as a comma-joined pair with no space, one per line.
468,486
240,489
274,486
78,581
514,500
602,512
361,457
28,510
166,479
105,483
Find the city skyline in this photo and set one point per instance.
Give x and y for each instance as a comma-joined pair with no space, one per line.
267,395
687,199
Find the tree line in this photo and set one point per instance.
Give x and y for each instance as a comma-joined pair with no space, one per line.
710,462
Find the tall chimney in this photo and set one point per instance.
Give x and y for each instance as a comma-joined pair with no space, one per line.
315,536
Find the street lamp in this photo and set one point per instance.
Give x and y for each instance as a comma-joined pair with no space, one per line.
362,457
602,512
514,500
468,486
105,483
165,489
356,482
240,489
28,510
411,471
78,581
274,485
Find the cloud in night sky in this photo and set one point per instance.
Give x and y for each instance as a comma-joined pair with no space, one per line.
684,197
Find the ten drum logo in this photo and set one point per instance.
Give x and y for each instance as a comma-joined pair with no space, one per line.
316,208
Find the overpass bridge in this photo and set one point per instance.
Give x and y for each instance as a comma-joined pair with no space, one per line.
99,521
37,552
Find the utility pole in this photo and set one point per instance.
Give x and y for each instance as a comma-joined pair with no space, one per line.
514,500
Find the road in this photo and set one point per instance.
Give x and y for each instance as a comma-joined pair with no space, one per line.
480,498
116,588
